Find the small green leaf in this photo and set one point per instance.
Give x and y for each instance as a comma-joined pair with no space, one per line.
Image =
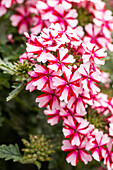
10,152
15,92
38,164
7,67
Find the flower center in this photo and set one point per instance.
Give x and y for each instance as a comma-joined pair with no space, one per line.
48,75
59,62
68,83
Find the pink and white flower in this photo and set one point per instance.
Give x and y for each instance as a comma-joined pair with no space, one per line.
94,35
94,54
26,56
64,18
65,112
68,85
37,46
108,159
104,20
74,130
97,145
54,116
76,152
22,19
49,96
79,102
60,63
89,77
45,77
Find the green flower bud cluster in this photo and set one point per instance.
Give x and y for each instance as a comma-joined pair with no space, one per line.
37,150
22,68
99,121
84,17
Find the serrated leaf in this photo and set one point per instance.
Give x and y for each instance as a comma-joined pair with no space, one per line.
15,92
10,152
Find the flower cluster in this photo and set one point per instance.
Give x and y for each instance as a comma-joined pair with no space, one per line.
66,72
34,15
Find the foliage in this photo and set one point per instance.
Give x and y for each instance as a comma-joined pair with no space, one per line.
37,150
15,92
10,152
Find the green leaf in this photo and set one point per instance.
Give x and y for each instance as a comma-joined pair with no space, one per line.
38,164
7,67
10,152
15,92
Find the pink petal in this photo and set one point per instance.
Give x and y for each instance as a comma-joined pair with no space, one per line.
65,69
67,146
83,124
40,69
23,27
89,29
85,85
80,107
33,48
72,14
51,57
57,81
62,52
76,90
69,59
67,132
36,29
76,139
3,10
94,88
43,100
72,22
53,67
85,157
103,152
60,9
65,94
52,3
55,103
76,76
7,3
15,19
96,155
72,158
70,122
53,120
40,83
30,86
42,57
